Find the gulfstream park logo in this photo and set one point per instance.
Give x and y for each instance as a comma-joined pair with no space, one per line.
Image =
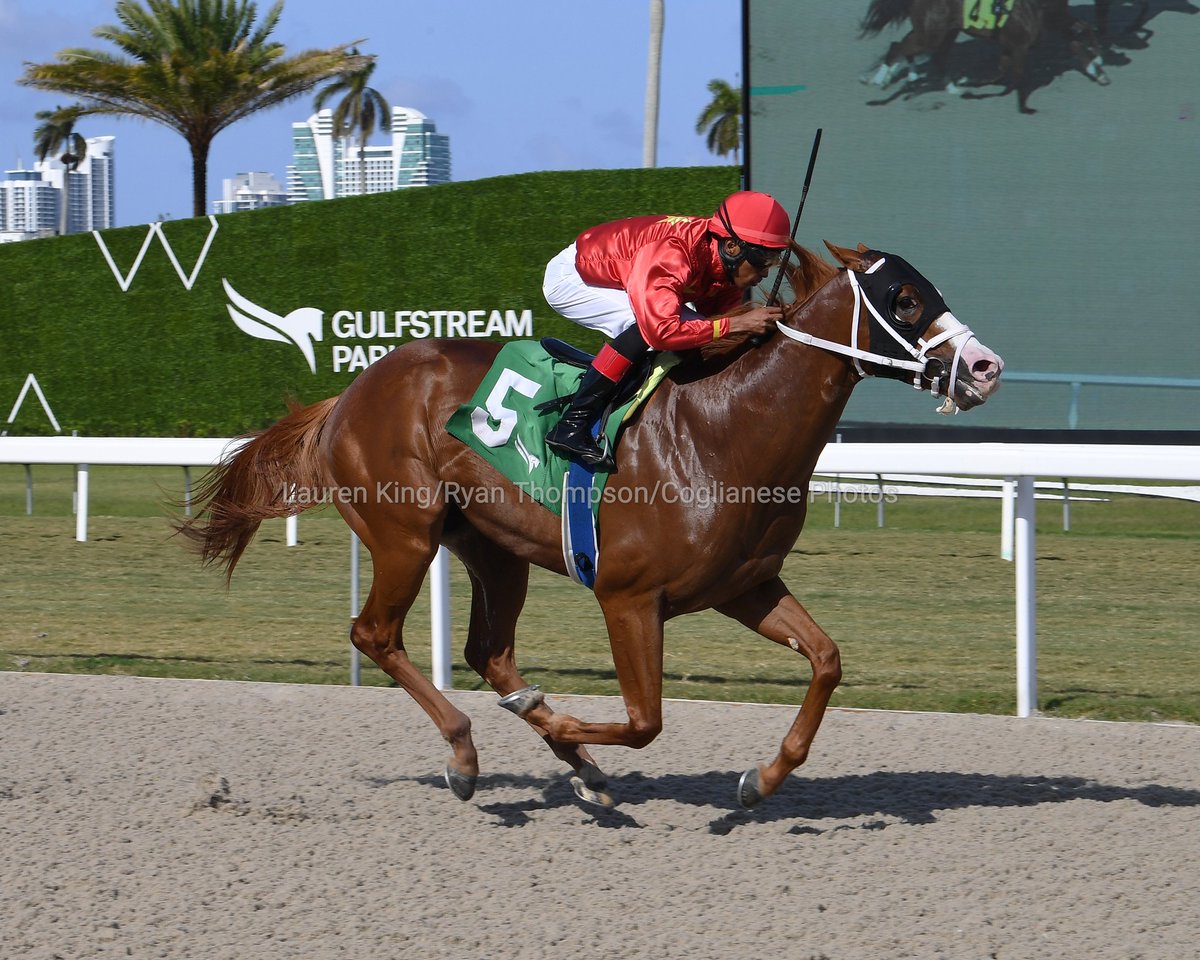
300,327
304,327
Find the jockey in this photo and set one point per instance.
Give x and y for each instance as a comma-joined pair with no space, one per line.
659,283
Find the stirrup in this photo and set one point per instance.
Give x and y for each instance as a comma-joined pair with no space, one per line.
590,454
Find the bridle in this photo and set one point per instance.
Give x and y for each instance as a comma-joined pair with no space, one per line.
923,367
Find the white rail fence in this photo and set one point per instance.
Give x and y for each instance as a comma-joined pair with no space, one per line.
1014,465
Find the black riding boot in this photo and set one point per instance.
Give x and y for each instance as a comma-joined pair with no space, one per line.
572,435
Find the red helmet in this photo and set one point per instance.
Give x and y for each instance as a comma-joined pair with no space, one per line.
753,218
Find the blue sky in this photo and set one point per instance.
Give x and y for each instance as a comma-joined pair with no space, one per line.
518,85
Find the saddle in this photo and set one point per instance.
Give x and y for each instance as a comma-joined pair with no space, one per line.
506,421
571,355
567,353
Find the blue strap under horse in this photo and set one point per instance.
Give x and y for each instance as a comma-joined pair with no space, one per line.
516,405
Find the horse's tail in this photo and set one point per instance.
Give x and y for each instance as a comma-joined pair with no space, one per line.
883,13
277,472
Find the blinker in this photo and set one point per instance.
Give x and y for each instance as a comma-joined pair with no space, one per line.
882,283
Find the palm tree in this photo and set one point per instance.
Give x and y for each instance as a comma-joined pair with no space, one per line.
56,131
361,110
722,119
653,77
196,66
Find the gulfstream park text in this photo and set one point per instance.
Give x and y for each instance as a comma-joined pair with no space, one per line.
714,493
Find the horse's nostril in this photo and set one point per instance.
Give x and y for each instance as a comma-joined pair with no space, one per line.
985,370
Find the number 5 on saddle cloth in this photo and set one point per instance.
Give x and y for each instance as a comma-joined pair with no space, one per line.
509,415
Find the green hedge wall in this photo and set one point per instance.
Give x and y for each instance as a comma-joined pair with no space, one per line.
160,359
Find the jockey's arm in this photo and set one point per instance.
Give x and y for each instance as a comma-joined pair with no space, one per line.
657,287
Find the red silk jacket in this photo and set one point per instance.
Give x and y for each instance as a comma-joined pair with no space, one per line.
662,263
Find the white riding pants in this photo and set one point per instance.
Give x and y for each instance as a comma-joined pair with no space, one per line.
597,308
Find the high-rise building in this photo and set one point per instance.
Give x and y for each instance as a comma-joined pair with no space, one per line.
91,203
250,191
101,188
310,177
424,154
325,167
31,200
28,206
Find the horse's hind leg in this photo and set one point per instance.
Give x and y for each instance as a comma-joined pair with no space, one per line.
400,568
635,631
769,609
1012,69
499,585
1081,38
1087,49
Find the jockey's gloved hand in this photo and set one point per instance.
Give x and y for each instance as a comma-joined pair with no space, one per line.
757,321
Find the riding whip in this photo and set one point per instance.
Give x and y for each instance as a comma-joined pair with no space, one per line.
812,162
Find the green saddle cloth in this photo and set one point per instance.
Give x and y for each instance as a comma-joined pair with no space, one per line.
502,426
986,14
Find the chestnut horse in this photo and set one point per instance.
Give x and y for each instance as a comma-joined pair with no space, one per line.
936,23
742,415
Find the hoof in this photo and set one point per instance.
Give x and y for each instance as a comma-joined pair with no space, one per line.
748,792
460,784
521,702
591,786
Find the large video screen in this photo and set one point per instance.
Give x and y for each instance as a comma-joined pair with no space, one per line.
1061,224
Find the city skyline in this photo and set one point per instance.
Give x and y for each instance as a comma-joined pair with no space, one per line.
324,167
517,89
31,199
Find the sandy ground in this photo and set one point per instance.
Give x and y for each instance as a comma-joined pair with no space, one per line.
170,818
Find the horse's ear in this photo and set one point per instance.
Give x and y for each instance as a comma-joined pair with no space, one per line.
851,258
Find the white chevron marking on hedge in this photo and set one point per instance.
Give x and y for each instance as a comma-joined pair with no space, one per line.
155,230
31,381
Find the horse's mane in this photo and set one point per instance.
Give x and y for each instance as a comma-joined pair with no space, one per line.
806,273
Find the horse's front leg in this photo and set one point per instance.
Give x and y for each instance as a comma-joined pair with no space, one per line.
772,611
899,59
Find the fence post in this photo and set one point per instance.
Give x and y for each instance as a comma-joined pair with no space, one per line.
81,502
355,659
837,495
439,618
1006,518
1026,555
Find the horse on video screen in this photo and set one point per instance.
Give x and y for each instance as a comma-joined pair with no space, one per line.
739,415
936,24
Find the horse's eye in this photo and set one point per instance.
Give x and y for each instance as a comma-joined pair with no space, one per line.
906,303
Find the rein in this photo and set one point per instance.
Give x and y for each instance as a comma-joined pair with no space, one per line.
918,366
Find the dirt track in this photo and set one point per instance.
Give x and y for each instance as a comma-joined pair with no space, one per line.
180,819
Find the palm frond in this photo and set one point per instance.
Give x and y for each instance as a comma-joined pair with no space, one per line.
721,120
196,66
